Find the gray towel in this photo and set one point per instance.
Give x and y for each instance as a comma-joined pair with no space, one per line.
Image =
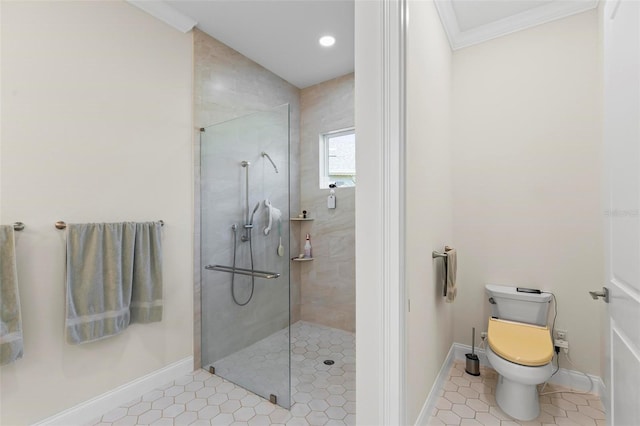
451,266
146,297
10,318
99,279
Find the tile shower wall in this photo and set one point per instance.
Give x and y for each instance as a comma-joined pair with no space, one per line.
327,283
228,85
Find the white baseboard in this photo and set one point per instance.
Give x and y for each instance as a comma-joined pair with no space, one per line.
571,379
578,381
461,350
95,407
567,378
430,403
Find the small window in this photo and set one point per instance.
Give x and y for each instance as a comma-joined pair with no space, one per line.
338,158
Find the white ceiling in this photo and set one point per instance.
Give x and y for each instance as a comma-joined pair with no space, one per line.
282,35
469,22
472,14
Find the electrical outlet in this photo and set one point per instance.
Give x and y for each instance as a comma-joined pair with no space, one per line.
561,334
561,344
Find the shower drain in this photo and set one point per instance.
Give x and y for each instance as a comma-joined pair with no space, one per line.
329,362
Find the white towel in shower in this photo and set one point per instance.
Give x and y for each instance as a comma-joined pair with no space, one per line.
11,347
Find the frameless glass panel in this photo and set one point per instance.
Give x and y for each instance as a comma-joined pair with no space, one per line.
245,252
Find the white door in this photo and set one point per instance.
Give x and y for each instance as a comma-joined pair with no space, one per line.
622,174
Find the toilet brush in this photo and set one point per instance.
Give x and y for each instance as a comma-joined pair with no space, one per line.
473,362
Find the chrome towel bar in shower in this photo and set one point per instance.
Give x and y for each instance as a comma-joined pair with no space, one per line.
62,225
18,226
242,271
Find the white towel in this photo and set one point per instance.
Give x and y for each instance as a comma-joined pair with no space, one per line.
11,346
451,269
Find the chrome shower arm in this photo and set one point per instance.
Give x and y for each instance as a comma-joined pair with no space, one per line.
264,154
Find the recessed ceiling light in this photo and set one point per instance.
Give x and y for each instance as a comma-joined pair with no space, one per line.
327,41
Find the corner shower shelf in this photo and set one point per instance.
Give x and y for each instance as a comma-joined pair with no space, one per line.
302,259
301,219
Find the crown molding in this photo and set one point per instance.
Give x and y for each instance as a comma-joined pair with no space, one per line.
527,19
166,13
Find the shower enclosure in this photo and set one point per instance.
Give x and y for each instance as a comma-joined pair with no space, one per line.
245,255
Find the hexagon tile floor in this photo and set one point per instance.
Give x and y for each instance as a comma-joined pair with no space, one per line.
264,366
319,397
469,400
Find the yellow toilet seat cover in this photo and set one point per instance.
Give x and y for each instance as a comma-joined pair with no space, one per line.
523,344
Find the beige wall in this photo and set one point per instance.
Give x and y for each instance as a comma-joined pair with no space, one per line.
429,199
96,127
527,174
328,283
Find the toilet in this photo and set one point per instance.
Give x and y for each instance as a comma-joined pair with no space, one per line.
519,348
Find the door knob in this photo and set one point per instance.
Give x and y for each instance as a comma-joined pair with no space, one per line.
604,294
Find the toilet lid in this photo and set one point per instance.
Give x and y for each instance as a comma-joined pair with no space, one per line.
523,344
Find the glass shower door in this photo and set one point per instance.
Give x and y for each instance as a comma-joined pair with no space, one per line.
245,252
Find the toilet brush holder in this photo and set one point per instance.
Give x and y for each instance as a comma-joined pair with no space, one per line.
473,365
473,362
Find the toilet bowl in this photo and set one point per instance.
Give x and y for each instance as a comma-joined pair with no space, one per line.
519,349
516,390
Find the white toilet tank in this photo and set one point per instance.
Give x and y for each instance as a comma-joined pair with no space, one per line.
509,304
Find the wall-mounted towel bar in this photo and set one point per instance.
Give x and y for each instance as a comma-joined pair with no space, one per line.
242,271
436,254
62,225
18,226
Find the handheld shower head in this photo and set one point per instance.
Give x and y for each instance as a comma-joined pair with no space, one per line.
264,154
255,209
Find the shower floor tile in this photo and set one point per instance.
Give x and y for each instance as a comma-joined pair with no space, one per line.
321,394
469,400
263,366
